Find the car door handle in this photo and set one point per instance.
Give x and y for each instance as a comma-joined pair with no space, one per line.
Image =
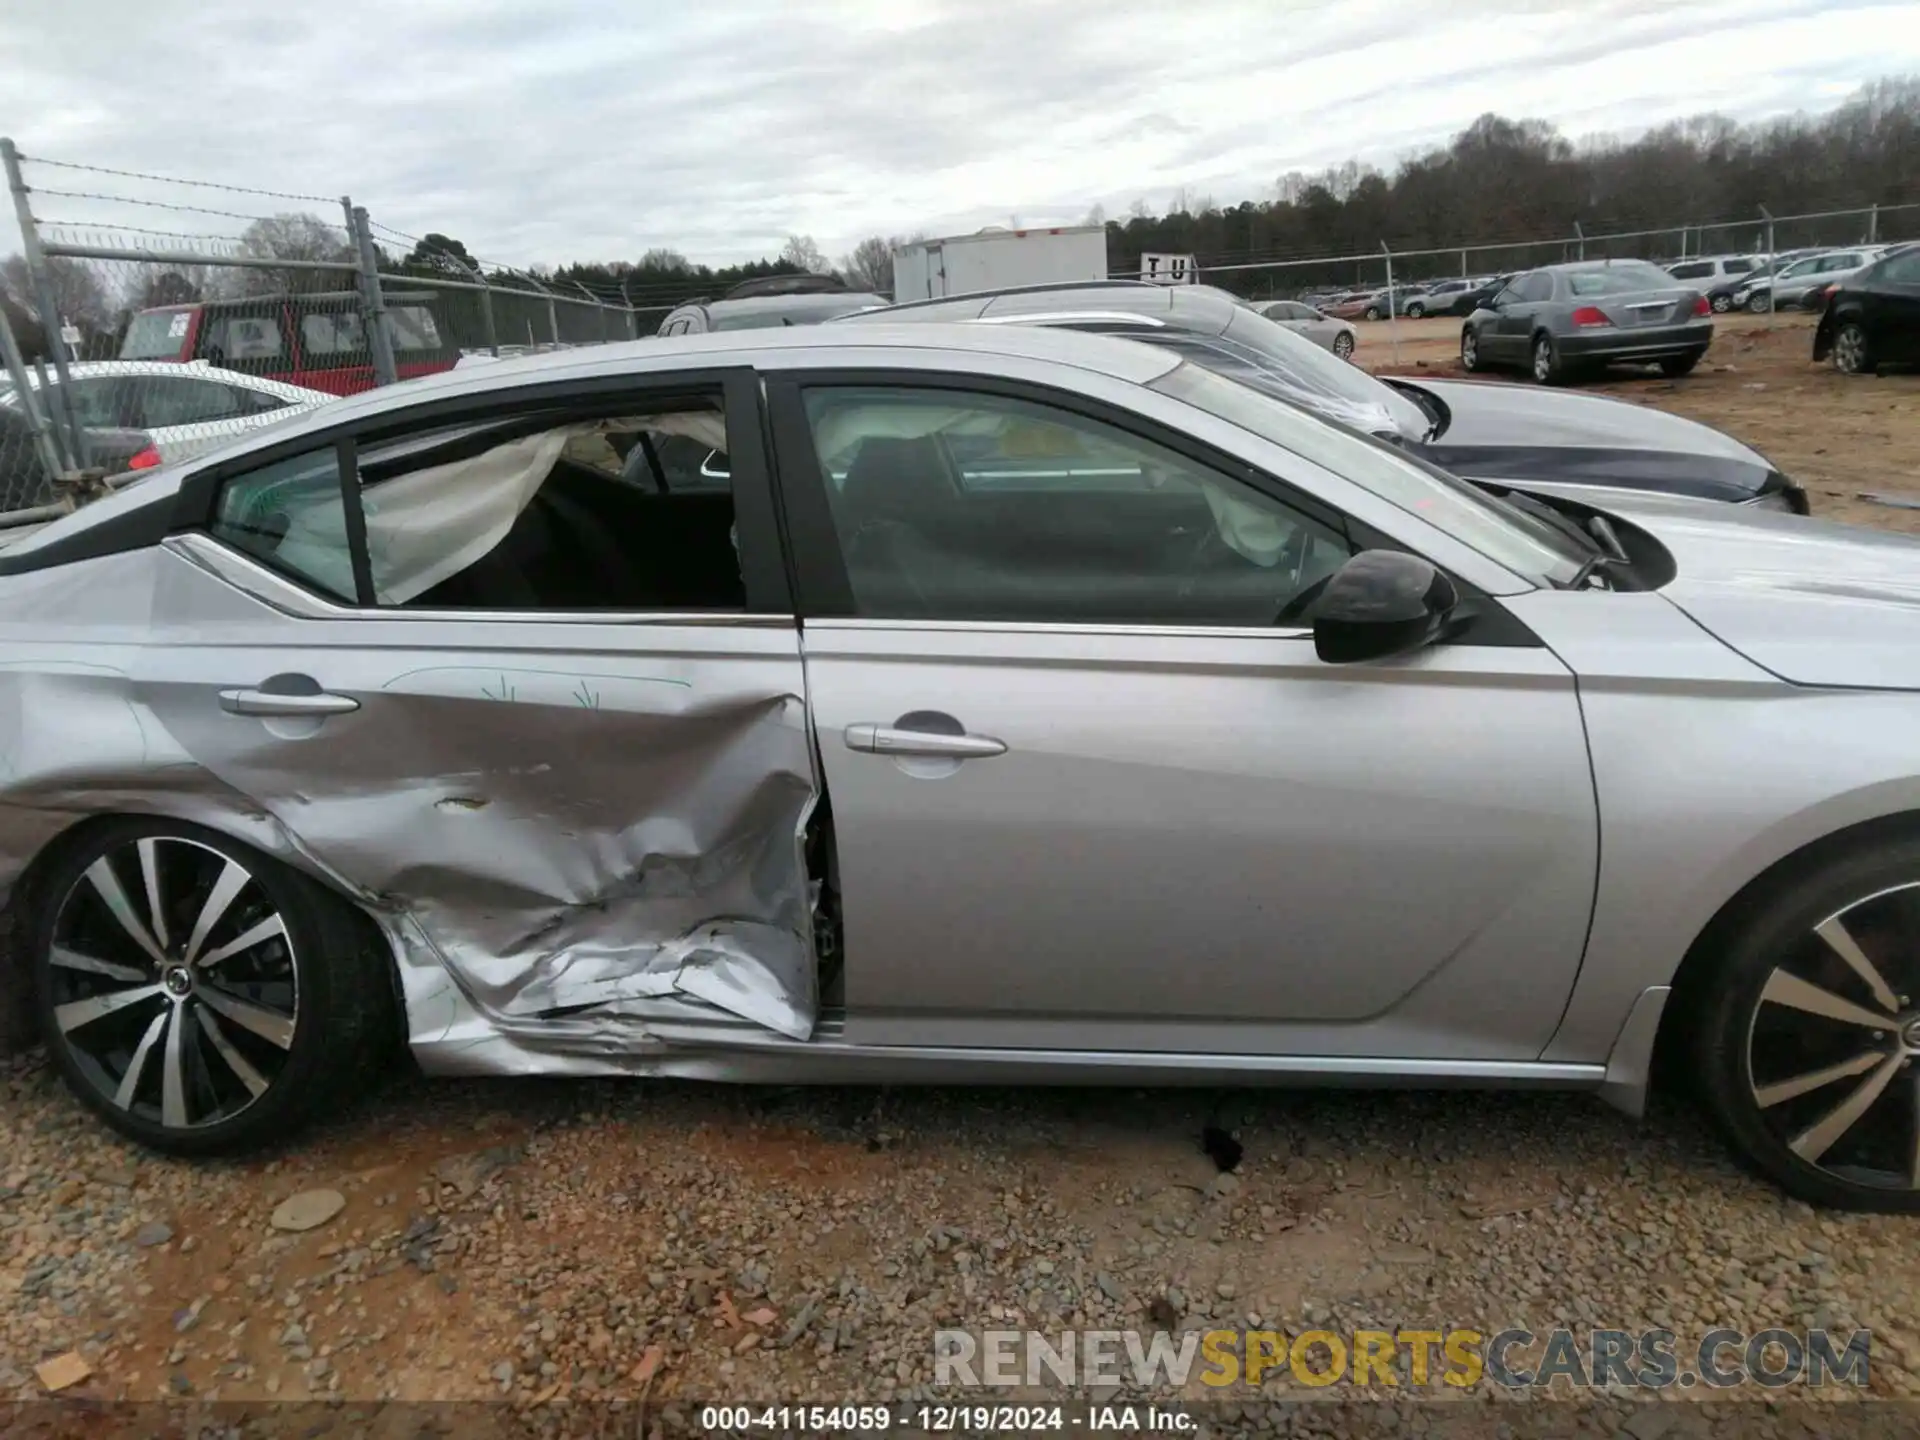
271,702
886,740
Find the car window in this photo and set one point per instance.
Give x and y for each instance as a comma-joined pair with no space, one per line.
95,401
1617,279
1800,267
956,505
332,332
257,402
1740,266
1536,286
156,335
539,510
167,400
1520,542
1692,270
1901,269
288,516
1839,262
413,328
241,338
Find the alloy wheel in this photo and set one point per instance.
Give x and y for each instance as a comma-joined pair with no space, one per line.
173,982
1343,346
1833,1041
1543,359
1850,349
1469,351
1722,304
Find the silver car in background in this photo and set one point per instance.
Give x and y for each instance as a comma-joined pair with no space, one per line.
1561,320
1303,320
1021,706
1800,284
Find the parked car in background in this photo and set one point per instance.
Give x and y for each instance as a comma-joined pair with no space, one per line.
25,485
1873,315
1308,323
183,409
1481,291
769,301
1717,276
1560,320
1800,283
1347,305
1284,756
1386,302
1506,437
1434,298
312,343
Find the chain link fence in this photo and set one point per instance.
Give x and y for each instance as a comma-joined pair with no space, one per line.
156,317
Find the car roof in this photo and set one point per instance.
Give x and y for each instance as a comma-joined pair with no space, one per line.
168,369
1200,308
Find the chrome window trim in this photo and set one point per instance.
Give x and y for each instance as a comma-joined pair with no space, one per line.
1065,317
274,589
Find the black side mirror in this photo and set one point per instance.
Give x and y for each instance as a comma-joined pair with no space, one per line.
1381,603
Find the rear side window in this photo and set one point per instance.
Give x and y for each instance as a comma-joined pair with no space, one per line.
1740,266
1692,270
1902,269
242,338
413,328
166,401
335,333
289,517
157,335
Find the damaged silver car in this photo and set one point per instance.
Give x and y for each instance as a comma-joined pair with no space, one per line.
1011,705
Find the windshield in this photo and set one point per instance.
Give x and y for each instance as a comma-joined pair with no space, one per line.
1522,543
156,335
1619,279
1324,382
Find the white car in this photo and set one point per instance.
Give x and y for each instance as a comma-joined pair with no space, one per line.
184,408
1309,323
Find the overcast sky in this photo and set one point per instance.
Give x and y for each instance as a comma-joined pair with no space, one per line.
554,130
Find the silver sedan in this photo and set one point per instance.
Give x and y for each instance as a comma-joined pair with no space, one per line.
1016,706
1303,320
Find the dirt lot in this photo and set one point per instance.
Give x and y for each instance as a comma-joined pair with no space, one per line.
559,1242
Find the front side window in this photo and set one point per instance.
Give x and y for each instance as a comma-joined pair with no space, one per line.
1839,262
958,505
242,338
1692,270
1902,269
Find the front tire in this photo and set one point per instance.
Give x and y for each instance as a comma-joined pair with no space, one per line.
1807,1033
1851,355
1674,366
1416,311
1722,304
1758,304
199,996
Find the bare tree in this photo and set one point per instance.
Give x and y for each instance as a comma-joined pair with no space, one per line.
79,296
869,265
661,259
1097,215
802,251
297,236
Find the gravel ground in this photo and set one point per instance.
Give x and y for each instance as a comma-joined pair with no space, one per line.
553,1243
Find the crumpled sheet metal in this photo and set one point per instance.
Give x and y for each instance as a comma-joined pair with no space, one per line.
576,845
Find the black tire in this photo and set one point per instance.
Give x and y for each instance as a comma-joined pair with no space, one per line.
1675,366
1416,310
1851,353
1470,358
1759,304
1722,304
307,1012
1778,1079
1373,313
1546,367
1343,345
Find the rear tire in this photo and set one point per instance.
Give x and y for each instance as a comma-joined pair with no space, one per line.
1851,355
1548,368
202,997
1722,304
1416,311
1343,345
1469,350
1373,312
1824,1102
1675,366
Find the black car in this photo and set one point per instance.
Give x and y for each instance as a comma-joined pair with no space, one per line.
1468,301
1505,436
1873,315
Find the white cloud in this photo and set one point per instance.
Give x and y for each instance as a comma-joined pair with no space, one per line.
578,130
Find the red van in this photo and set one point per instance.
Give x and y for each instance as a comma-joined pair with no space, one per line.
320,344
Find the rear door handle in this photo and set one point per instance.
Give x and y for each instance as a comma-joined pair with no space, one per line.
271,702
886,740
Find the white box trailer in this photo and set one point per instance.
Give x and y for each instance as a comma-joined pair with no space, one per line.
995,259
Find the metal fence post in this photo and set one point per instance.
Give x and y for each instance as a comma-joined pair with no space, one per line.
1873,223
553,314
626,302
486,307
45,438
1767,216
50,317
372,298
1393,323
1579,241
